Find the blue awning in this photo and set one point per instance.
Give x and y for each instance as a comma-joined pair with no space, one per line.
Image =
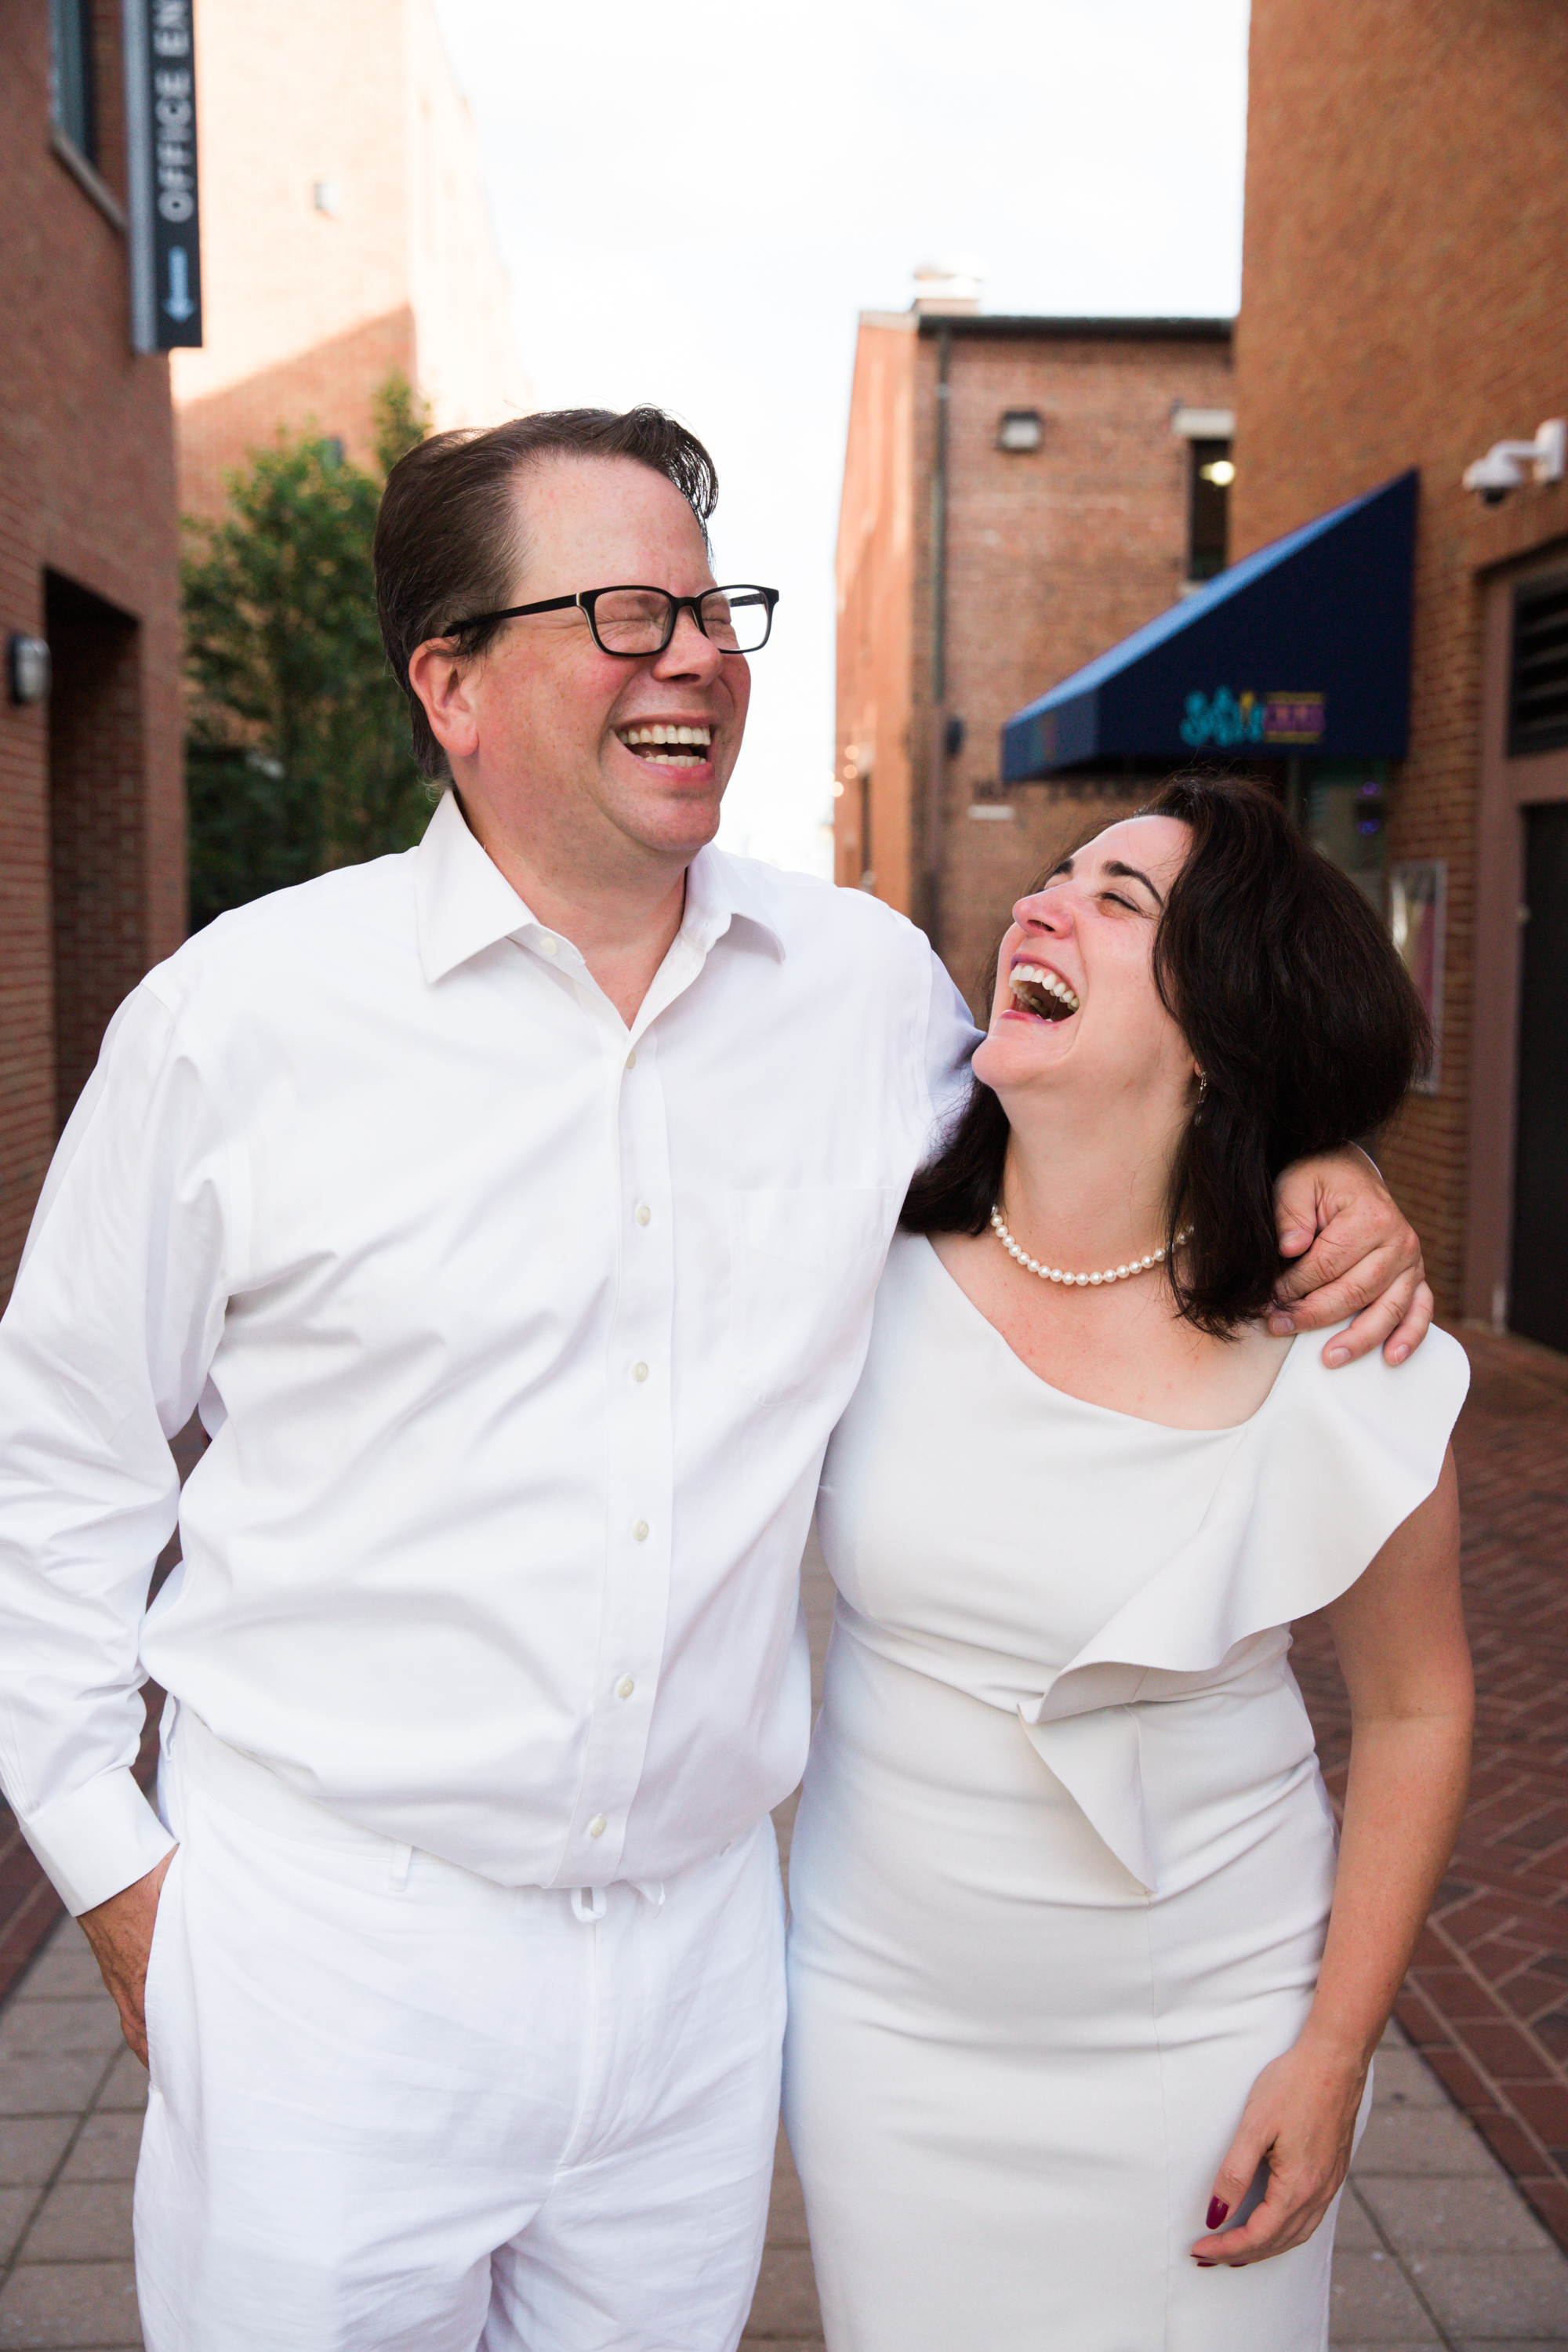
1304,647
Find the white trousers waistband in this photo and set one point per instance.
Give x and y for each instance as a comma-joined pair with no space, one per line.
243,1784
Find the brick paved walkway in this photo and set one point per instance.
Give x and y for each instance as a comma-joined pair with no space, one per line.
1436,2247
1487,2001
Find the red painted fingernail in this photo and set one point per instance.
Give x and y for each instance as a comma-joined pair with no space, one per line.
1204,2265
1218,2209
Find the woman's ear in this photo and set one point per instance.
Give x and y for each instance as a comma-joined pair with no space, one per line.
442,679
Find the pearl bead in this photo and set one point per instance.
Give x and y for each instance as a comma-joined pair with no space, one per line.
1080,1281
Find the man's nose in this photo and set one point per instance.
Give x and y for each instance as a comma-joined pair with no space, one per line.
689,653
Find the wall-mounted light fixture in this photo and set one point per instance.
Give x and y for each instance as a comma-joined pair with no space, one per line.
1503,467
1021,429
27,667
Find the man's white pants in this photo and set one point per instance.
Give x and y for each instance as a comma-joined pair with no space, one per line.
397,2108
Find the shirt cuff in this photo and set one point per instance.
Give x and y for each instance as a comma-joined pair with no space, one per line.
97,1841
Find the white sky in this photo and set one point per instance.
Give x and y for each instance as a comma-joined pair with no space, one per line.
694,201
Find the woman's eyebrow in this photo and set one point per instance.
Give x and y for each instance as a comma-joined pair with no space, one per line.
1133,874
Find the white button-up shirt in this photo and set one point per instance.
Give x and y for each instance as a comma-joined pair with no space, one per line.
518,1335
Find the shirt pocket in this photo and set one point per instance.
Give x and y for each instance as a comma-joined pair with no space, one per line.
805,1267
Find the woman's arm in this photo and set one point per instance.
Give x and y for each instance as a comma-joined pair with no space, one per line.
1400,1634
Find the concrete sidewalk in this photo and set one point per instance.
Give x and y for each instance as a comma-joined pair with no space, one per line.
1435,2244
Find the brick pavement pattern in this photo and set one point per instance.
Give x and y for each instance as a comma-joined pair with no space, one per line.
1487,1998
1436,2247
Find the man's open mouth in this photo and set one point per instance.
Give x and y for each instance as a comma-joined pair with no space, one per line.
668,747
1040,993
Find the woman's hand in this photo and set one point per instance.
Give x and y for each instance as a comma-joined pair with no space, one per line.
1356,1254
1300,2115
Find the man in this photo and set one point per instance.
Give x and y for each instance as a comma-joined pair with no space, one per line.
512,1213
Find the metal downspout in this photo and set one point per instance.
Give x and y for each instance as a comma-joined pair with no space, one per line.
936,785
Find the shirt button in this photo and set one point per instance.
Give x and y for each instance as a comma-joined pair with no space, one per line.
639,1371
644,1213
548,945
639,1533
624,1687
632,1059
597,1826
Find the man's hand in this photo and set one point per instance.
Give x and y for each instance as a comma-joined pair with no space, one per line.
120,1934
1364,1259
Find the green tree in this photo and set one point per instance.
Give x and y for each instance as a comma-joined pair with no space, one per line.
297,755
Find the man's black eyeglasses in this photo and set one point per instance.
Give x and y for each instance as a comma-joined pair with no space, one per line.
632,622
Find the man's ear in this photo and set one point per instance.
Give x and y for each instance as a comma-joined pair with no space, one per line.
442,679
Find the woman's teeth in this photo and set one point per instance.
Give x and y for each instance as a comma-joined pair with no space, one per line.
668,747
1041,993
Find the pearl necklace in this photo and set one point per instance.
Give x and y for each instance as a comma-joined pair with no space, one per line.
1054,1274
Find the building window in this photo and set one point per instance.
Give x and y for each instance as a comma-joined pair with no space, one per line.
70,74
1341,807
1537,672
1208,509
1021,429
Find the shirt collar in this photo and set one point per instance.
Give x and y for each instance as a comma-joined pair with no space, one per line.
722,890
465,903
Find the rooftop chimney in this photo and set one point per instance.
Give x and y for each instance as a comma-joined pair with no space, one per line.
950,287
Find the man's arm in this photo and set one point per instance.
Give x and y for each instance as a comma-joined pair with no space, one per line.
120,1934
103,1351
1356,1254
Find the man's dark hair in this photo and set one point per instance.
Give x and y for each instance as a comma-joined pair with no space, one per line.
448,541
1300,1014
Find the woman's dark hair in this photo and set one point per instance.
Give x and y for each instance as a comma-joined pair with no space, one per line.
447,541
1300,1014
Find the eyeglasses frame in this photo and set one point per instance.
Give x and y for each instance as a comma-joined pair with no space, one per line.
587,599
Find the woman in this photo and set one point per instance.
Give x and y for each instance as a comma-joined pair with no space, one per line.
1081,2021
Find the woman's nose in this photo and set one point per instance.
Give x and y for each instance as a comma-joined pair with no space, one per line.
1043,910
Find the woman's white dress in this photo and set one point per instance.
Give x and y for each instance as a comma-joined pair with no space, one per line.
1064,1857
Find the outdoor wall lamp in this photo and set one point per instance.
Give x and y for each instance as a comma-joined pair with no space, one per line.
27,667
1503,467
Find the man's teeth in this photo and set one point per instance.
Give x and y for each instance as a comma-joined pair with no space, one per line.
1031,975
668,747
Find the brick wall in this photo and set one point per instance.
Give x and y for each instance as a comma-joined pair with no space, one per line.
309,306
1051,556
86,497
96,853
1406,250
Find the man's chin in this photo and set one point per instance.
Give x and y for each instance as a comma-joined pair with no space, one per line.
679,826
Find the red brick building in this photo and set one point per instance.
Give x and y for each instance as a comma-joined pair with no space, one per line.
1018,493
92,813
1402,305
345,235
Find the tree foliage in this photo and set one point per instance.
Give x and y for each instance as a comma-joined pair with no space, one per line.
297,755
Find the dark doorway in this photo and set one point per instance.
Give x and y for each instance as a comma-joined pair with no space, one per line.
97,850
1538,1302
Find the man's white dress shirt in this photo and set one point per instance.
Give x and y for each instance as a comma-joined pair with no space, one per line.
518,1335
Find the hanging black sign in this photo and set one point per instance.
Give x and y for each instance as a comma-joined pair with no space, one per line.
161,127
